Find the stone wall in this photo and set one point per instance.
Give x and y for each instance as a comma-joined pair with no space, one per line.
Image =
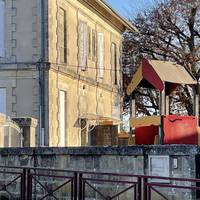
109,159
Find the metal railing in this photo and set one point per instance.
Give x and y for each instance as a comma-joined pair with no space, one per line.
41,183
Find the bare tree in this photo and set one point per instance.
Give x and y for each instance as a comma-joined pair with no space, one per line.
170,32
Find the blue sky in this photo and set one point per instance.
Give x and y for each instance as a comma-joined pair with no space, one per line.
130,7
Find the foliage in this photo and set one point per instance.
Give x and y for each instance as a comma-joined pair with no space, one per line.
171,32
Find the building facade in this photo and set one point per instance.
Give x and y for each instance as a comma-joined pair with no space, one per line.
60,63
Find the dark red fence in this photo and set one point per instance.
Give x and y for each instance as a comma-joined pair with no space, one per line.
40,183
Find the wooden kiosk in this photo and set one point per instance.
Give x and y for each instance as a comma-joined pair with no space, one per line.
165,128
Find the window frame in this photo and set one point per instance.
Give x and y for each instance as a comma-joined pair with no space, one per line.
100,53
84,37
63,134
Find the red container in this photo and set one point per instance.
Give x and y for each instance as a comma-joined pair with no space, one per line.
145,135
180,129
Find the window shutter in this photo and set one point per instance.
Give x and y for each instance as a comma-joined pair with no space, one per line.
62,37
89,42
100,55
83,34
114,63
2,28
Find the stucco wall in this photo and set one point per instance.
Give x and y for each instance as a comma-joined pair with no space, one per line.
21,92
22,31
82,98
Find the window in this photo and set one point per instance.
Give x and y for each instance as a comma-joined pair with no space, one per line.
89,42
3,100
82,44
62,37
62,118
2,31
93,45
114,62
100,54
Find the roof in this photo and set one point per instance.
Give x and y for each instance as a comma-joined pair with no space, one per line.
102,8
155,73
172,72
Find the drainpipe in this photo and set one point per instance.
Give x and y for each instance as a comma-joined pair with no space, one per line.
41,69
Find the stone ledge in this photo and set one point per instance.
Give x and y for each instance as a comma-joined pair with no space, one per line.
177,150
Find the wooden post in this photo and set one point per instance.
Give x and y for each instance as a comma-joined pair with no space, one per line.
133,106
132,114
162,107
196,102
167,105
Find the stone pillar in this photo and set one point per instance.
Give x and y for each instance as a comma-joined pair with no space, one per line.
28,126
2,129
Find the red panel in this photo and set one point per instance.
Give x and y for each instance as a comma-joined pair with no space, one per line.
145,135
180,129
151,76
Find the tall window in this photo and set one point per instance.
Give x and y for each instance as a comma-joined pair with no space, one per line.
100,54
93,45
82,44
2,28
62,37
62,118
114,62
3,100
89,43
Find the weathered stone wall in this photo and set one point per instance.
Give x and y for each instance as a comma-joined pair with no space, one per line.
132,159
109,159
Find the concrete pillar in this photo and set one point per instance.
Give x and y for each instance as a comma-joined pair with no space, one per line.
2,129
28,126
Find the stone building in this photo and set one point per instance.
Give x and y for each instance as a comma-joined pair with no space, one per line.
60,64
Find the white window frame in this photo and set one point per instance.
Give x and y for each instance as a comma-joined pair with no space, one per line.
83,45
62,118
100,55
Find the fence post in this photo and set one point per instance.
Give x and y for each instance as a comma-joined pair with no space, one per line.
145,180
23,184
29,185
139,188
75,183
149,192
80,187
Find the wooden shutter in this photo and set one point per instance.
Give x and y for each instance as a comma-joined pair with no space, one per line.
82,44
2,28
114,63
89,42
100,55
93,45
62,37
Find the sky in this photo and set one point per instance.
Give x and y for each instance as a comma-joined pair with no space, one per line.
126,8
